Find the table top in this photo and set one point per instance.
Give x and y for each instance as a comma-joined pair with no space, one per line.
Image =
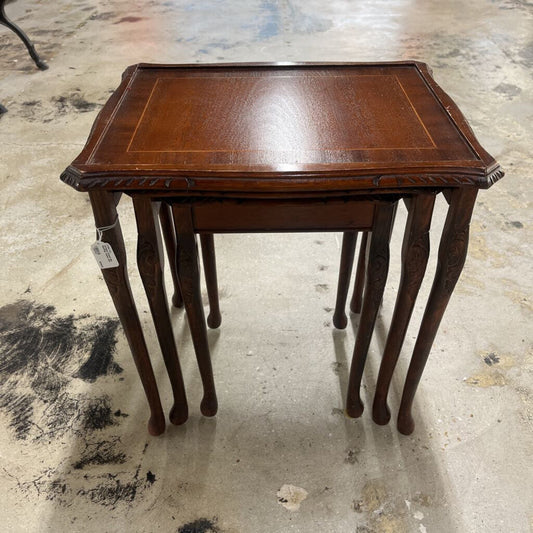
280,127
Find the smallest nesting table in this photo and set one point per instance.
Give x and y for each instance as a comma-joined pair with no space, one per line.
283,147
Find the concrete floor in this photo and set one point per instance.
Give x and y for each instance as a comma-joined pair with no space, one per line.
75,455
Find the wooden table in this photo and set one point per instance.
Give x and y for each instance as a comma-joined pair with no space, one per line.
283,147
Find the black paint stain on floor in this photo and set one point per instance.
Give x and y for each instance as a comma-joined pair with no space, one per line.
97,414
40,354
101,453
201,525
117,489
48,110
73,101
111,492
491,359
100,362
101,475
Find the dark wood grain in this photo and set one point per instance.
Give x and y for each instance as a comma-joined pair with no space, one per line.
214,318
349,240
415,254
167,227
105,214
377,271
285,147
150,264
452,255
313,214
189,276
314,126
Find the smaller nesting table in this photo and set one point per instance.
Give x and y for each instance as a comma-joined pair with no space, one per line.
283,147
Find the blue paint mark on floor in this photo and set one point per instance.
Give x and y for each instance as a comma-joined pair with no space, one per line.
271,23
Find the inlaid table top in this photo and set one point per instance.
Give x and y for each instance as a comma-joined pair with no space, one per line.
280,127
281,147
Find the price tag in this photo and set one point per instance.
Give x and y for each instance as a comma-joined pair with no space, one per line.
104,255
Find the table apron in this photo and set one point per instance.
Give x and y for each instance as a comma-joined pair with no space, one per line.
270,216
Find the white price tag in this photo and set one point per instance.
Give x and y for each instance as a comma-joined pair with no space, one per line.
104,255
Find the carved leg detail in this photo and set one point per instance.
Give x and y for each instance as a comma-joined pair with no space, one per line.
105,214
167,227
208,256
415,253
23,37
150,264
349,240
452,255
189,276
357,296
378,267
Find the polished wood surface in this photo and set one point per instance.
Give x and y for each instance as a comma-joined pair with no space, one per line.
415,254
451,258
187,261
105,215
349,240
169,235
150,264
280,128
378,269
283,147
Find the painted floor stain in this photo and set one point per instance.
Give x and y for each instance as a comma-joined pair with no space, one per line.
201,525
494,375
100,453
41,353
52,109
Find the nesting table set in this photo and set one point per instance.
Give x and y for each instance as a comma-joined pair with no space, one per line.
274,148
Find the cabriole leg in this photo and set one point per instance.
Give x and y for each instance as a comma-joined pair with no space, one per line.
150,264
105,214
349,240
167,228
189,276
452,255
378,267
208,256
415,253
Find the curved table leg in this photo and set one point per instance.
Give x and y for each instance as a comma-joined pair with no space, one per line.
167,228
378,267
452,254
210,269
189,276
415,254
214,318
105,214
349,240
357,296
24,38
150,264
